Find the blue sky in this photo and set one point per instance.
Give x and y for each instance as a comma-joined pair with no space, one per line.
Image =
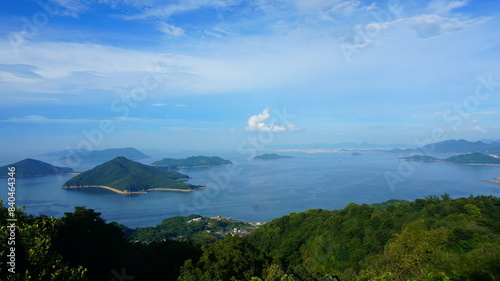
209,74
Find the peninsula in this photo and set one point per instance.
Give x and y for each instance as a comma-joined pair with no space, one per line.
125,176
33,168
193,161
271,156
475,158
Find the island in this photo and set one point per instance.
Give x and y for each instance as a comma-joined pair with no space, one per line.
424,158
107,154
475,158
271,156
125,176
192,162
34,168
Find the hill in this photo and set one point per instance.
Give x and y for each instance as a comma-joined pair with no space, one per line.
271,156
202,230
32,168
107,154
193,161
124,176
475,158
436,238
458,146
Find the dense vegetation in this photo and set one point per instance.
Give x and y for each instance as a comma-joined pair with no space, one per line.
436,238
472,158
82,246
429,239
271,156
31,167
192,161
201,229
123,174
107,154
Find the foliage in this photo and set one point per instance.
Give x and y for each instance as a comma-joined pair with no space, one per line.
193,161
82,246
123,174
201,229
31,167
436,238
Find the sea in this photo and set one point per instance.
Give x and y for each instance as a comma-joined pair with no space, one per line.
262,190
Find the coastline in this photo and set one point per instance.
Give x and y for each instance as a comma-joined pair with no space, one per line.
133,192
441,161
46,175
188,167
497,181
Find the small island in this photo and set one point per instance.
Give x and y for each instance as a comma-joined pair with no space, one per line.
125,176
271,156
192,162
34,168
475,158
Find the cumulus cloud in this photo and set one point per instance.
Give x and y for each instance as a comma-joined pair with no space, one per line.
258,123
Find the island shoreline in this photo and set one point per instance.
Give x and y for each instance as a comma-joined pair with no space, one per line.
145,191
441,161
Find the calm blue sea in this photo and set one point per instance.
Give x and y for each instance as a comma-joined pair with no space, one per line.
254,190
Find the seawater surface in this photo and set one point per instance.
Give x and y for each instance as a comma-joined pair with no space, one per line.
253,190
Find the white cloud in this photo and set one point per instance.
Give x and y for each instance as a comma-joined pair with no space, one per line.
443,7
433,25
171,30
158,104
43,119
257,123
182,6
181,105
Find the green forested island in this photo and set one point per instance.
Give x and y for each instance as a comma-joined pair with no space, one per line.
436,238
125,176
271,156
475,158
193,161
32,168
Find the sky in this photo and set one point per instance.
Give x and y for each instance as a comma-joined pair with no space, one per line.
225,74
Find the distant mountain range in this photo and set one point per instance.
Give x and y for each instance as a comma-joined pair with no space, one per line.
124,176
32,168
343,145
193,161
107,154
454,146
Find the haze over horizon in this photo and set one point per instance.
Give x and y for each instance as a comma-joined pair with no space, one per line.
203,74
